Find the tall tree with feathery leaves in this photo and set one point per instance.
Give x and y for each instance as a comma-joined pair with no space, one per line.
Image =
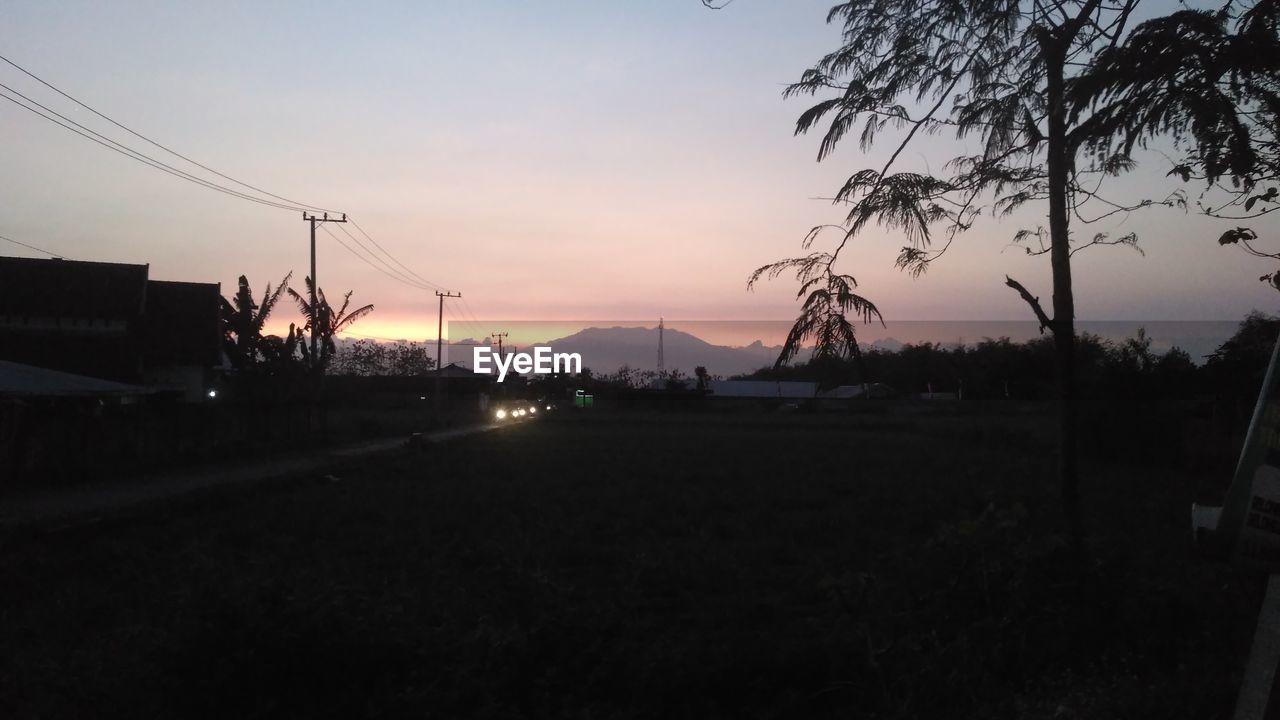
1210,81
997,71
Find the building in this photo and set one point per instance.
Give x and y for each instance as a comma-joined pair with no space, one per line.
110,321
763,389
181,337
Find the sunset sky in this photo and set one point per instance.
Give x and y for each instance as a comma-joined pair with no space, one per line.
551,161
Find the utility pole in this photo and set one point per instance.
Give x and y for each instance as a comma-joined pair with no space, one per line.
440,343
499,335
315,284
660,330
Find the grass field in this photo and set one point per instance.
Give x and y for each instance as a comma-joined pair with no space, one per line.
656,566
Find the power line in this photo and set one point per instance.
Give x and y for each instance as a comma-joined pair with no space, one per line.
457,322
132,154
410,271
404,275
396,273
31,247
461,325
363,259
369,262
127,151
475,319
139,135
468,327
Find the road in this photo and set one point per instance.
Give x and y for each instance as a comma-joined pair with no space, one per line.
84,504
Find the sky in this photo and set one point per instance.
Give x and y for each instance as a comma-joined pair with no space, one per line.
551,161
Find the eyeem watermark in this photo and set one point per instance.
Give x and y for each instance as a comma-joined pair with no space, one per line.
541,362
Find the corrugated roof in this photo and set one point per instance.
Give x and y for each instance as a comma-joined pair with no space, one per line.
844,392
791,390
18,380
70,288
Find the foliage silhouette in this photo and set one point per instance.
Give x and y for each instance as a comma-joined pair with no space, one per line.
367,358
243,321
995,71
1211,81
328,324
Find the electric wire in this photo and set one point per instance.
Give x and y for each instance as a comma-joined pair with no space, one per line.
129,152
469,326
462,325
366,260
32,247
474,317
175,153
291,204
393,258
404,275
398,274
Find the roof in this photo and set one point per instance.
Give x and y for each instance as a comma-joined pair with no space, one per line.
454,370
763,389
18,380
181,323
874,390
70,288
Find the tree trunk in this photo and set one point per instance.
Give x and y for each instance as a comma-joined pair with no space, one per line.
1064,337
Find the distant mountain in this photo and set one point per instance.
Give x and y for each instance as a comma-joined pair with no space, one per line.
888,344
604,350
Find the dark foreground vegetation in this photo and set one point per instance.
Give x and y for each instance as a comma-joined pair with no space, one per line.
609,566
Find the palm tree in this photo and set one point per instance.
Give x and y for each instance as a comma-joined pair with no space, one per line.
328,323
243,320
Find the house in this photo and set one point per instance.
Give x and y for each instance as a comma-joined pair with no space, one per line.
764,394
24,382
51,419
763,389
111,322
462,387
181,337
76,317
866,391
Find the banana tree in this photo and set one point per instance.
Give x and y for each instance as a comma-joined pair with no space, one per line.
328,324
243,320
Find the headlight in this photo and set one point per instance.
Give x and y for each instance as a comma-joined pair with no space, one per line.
533,410
502,414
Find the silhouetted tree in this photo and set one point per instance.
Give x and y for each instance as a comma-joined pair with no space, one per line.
280,356
625,377
243,321
997,70
671,379
1210,79
367,357
328,324
1237,367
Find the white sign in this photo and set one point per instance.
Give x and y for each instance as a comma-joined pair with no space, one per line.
1250,522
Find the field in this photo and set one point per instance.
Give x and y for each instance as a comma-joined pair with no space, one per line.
665,565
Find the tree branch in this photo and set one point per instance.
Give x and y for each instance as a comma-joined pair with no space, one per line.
1033,301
